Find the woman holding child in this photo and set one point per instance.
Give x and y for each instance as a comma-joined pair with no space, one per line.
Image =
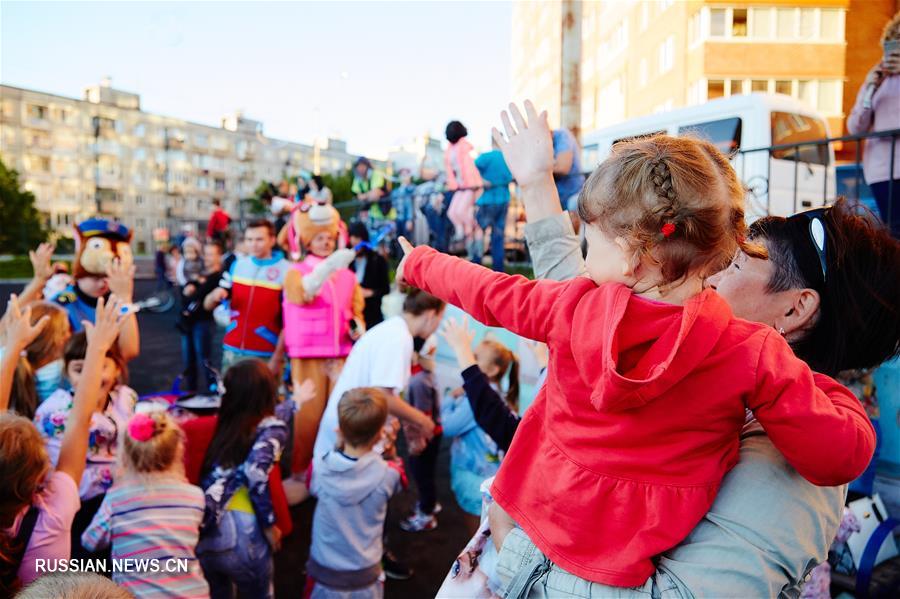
748,543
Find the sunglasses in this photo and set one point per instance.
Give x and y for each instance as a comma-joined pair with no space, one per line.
816,227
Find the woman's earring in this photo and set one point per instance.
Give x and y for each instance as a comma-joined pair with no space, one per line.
781,331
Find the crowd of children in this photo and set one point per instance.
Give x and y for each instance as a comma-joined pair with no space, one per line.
317,382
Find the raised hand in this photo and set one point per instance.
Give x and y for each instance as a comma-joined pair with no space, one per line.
108,320
304,392
40,261
528,144
459,337
19,330
120,275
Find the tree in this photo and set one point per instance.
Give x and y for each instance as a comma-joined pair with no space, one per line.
22,228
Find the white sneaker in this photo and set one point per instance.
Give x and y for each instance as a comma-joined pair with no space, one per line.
418,522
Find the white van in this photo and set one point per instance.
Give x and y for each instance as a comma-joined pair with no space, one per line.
779,182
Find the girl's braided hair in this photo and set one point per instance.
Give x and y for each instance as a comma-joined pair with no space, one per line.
675,200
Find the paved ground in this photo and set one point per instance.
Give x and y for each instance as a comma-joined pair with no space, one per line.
429,553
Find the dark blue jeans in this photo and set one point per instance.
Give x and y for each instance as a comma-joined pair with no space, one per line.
494,216
196,350
236,554
888,206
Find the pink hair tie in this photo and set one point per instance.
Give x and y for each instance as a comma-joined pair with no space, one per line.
141,427
667,229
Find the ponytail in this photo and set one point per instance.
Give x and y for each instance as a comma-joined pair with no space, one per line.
512,392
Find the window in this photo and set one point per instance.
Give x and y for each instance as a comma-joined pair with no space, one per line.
715,88
666,55
139,154
220,184
724,134
830,27
807,23
785,23
645,15
783,86
695,27
830,96
717,22
642,72
139,130
37,112
739,22
806,92
759,85
761,23
788,128
201,140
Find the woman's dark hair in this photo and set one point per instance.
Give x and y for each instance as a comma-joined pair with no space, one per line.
418,302
76,349
455,131
858,322
250,389
318,180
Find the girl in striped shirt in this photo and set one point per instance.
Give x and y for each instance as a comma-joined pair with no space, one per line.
152,513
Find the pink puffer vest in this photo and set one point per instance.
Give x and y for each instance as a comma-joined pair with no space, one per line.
321,329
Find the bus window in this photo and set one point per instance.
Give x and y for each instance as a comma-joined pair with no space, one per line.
725,134
790,128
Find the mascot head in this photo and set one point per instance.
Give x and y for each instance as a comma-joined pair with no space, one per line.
98,241
307,221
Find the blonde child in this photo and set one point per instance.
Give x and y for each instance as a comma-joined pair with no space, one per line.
650,375
152,512
353,485
31,373
474,456
39,502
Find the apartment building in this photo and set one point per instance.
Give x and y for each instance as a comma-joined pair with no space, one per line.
645,56
104,155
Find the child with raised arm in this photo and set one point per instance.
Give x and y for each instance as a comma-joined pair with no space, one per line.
650,375
37,511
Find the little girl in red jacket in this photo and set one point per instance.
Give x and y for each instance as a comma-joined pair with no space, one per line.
650,374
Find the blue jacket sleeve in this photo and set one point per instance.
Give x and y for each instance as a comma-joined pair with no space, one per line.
491,412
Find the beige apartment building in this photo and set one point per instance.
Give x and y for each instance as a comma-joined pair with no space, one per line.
645,56
104,155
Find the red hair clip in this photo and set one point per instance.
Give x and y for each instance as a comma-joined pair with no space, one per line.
668,229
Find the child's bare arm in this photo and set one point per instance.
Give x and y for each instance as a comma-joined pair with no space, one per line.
100,336
19,334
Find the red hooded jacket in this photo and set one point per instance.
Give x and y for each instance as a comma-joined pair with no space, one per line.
623,450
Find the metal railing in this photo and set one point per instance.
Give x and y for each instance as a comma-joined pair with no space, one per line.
825,144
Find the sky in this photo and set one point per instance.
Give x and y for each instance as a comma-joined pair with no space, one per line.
376,74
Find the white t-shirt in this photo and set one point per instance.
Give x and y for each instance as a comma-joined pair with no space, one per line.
381,358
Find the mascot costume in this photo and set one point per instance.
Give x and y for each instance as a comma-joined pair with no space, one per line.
323,316
98,241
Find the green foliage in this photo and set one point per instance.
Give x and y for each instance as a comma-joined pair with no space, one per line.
339,184
22,228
